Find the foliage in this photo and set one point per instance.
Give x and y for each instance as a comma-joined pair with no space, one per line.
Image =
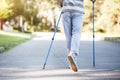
88,13
18,7
107,16
110,15
41,14
5,9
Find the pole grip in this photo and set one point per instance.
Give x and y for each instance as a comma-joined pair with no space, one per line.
93,1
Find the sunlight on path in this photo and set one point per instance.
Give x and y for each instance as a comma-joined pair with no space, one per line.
57,74
61,36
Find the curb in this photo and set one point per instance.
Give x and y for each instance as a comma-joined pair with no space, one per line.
116,40
2,49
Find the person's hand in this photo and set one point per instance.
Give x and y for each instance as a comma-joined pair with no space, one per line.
61,2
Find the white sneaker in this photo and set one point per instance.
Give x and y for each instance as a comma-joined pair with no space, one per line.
72,57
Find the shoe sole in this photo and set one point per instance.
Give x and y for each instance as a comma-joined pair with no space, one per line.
73,65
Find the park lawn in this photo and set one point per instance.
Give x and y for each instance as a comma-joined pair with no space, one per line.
9,42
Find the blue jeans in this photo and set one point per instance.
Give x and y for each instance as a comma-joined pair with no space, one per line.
73,22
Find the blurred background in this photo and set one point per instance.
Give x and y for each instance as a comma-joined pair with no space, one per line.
40,15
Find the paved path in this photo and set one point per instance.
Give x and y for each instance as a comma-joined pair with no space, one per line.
25,61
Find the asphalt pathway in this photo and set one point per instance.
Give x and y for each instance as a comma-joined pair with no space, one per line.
25,61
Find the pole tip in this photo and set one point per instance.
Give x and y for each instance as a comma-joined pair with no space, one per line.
94,65
44,66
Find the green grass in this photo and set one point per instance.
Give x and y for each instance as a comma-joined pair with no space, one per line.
9,42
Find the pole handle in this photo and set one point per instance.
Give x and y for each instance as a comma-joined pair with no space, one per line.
93,1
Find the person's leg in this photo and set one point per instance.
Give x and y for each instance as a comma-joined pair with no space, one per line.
67,29
77,22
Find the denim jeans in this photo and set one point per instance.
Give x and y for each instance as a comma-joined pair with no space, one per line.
73,22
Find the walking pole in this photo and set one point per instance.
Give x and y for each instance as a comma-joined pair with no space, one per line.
56,27
93,1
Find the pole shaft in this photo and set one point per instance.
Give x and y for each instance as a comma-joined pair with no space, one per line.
93,36
56,27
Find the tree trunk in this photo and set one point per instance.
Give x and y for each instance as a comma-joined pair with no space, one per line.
1,24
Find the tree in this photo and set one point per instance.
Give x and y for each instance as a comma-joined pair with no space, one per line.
88,13
109,20
5,9
18,7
